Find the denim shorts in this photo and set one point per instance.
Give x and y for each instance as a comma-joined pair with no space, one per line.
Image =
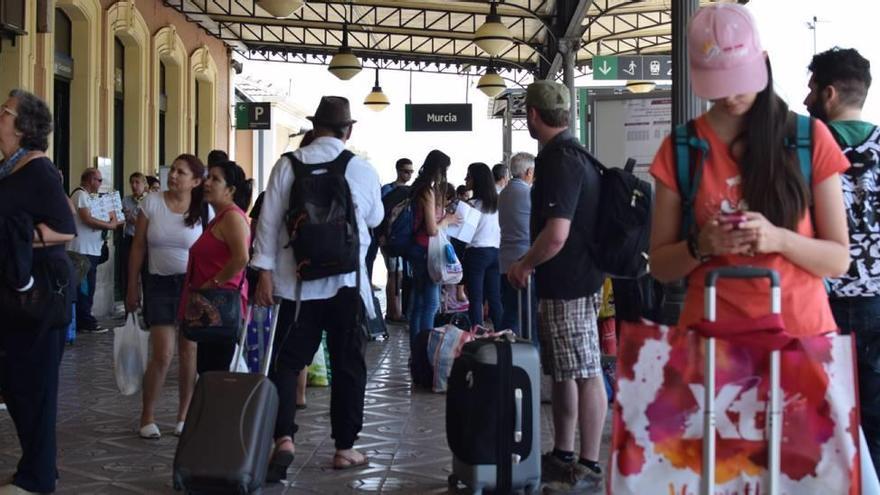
162,298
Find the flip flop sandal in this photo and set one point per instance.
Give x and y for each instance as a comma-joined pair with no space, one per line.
150,432
348,462
278,464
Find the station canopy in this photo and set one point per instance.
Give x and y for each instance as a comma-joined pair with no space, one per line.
437,35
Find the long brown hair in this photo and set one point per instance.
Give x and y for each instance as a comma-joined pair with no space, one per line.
772,181
194,213
432,175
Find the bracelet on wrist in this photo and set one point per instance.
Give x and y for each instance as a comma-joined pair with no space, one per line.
693,247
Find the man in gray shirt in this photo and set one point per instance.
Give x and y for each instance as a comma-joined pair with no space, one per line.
514,208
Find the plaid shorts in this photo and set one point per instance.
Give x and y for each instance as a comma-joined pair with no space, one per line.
569,336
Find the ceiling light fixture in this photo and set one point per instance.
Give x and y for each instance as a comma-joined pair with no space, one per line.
640,86
281,8
377,100
491,84
344,64
493,37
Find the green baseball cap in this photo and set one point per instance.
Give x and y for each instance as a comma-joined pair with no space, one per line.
548,95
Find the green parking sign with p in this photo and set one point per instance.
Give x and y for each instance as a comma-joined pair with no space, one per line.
253,115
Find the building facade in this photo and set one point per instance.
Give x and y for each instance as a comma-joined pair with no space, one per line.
131,81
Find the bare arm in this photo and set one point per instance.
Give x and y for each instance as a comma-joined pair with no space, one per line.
233,230
49,237
86,216
429,215
548,243
669,256
136,262
826,255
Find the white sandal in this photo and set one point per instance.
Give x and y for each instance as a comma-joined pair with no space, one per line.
150,432
178,430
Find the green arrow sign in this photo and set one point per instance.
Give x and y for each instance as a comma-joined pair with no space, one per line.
605,67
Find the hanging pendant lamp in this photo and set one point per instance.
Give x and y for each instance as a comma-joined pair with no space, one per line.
493,37
344,64
280,8
640,86
491,84
377,100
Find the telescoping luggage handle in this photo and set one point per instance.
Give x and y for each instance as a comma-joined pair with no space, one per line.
526,329
774,418
273,326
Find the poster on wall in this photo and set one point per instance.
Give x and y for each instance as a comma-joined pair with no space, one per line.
647,123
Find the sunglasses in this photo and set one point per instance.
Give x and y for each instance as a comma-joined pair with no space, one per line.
5,109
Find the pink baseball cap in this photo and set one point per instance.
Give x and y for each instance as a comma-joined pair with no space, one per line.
724,52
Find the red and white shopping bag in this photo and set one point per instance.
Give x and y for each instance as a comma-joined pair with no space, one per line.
658,414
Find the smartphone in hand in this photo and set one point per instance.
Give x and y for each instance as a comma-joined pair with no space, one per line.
735,219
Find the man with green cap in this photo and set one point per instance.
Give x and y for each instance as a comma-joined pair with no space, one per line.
565,202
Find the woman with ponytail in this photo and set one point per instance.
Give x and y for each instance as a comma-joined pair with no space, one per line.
168,225
219,257
753,205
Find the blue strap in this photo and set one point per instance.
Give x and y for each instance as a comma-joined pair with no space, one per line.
688,172
804,144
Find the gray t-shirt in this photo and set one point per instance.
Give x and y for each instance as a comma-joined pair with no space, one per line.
514,208
131,207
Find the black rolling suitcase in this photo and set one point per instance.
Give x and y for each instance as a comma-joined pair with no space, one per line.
228,435
493,410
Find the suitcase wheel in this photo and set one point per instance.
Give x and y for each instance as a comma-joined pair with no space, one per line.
452,481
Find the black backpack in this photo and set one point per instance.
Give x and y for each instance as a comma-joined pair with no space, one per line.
321,220
623,222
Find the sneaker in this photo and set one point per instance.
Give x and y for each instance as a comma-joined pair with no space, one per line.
593,480
562,477
96,330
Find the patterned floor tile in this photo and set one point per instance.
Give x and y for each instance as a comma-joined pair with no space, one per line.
100,453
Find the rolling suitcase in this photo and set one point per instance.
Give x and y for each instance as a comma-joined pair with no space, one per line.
774,415
493,415
228,435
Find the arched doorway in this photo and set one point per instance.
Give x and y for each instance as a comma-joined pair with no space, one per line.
82,109
169,83
203,104
63,77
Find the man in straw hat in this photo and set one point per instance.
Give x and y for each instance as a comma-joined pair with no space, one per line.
328,303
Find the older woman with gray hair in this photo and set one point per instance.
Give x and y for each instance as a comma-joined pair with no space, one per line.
30,189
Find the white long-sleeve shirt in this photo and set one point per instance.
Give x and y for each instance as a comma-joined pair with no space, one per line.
269,250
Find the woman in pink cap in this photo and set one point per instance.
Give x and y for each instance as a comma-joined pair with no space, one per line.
751,203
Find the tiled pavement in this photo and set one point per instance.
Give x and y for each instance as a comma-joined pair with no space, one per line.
99,451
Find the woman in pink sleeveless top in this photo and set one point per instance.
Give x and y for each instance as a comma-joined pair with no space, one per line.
218,258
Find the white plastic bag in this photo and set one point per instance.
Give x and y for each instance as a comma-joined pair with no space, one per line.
443,264
130,348
239,361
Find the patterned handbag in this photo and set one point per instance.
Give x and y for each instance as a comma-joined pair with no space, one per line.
212,315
